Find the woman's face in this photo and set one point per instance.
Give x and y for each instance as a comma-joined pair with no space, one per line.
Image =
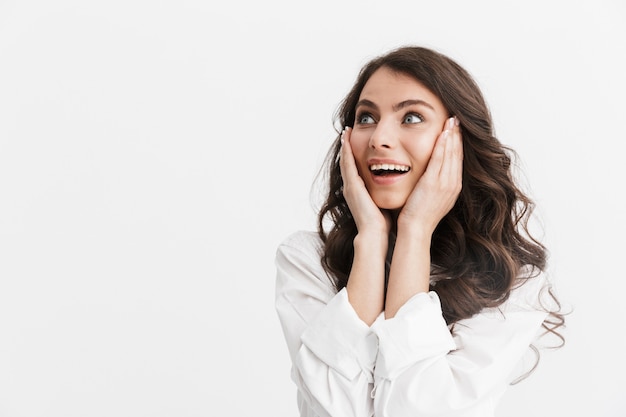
397,124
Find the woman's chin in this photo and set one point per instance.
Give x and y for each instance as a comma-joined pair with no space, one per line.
390,203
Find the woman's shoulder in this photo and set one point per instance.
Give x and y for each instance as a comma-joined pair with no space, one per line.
305,239
298,259
302,243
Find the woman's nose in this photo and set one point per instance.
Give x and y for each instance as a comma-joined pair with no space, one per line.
384,136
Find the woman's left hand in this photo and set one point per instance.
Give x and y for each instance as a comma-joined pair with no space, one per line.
437,190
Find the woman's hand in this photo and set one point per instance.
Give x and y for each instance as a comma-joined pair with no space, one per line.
437,190
367,216
366,283
432,198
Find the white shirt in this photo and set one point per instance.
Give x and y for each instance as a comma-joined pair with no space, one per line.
410,365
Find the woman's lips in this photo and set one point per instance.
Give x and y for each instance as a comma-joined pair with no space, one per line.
385,171
388,178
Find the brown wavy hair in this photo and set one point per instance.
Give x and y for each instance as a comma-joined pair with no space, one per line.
482,248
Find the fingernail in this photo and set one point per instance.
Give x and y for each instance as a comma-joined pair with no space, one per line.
343,133
451,123
456,121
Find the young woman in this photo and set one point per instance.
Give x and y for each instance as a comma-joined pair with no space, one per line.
421,291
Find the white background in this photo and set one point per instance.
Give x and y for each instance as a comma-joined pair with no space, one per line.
153,154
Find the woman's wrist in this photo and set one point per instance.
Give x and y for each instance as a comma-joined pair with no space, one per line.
414,230
366,284
371,243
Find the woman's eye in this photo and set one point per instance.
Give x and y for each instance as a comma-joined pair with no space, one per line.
412,118
365,119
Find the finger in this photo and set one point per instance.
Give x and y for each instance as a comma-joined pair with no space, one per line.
452,170
436,159
347,163
456,143
458,150
342,154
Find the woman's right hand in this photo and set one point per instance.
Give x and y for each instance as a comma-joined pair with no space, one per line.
367,216
366,283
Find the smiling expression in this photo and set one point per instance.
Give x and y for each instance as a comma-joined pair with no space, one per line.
397,124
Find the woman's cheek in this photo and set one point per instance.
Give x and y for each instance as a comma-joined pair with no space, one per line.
424,150
359,148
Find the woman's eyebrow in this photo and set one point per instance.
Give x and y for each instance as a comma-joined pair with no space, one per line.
406,103
396,107
366,102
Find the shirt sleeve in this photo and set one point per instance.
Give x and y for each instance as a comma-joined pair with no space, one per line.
423,369
332,350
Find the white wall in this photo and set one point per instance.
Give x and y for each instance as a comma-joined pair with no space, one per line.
154,153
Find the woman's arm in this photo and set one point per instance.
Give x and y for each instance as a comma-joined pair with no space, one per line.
421,368
366,283
424,370
331,348
330,342
434,195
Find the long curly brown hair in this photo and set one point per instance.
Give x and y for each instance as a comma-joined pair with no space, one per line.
482,248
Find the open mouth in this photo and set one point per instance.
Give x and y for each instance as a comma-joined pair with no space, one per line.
384,170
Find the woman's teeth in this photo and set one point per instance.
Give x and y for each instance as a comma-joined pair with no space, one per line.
383,169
